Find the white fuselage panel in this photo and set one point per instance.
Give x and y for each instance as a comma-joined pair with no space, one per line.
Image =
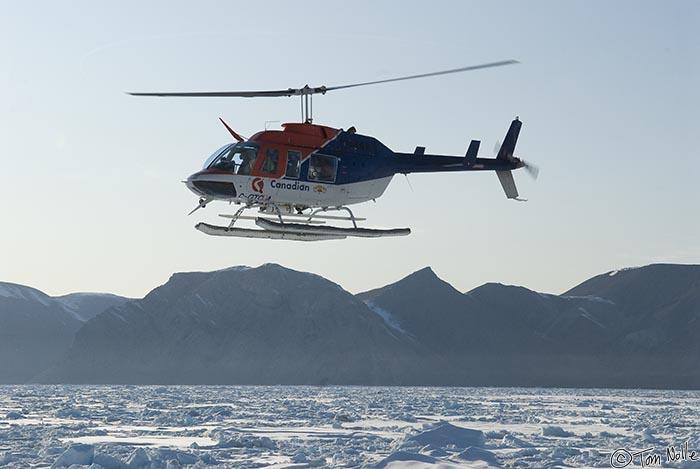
312,194
256,189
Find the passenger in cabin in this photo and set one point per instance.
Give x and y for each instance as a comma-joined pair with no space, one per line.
322,168
314,169
325,170
269,166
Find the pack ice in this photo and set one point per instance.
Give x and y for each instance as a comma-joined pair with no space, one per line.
158,427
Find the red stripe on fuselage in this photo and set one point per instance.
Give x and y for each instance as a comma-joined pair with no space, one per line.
310,136
304,138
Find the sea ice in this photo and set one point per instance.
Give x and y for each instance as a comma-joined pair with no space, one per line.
445,434
75,454
512,441
478,454
648,436
405,456
248,427
556,431
138,459
108,462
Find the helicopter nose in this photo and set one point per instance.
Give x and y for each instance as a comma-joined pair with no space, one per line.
207,185
189,182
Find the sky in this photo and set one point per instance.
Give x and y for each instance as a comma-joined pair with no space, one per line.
608,93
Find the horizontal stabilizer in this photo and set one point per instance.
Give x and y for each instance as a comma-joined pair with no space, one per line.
506,178
470,157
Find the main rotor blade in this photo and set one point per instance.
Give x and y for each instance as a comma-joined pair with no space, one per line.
424,75
226,94
307,90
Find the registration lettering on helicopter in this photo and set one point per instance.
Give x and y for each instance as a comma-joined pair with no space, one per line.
255,197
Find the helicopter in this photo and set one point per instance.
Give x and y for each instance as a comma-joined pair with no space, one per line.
295,176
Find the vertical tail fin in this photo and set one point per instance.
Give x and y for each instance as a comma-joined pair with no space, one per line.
470,157
506,154
508,147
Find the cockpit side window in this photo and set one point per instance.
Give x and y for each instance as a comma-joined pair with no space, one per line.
238,158
225,160
216,154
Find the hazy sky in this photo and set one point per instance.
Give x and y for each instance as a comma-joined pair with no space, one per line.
608,92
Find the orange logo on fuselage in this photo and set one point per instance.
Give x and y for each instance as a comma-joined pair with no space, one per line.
258,184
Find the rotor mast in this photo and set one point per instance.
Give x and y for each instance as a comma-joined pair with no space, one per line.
307,104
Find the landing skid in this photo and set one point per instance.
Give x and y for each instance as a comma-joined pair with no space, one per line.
309,230
214,230
269,225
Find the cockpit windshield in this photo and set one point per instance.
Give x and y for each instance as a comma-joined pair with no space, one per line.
238,158
215,154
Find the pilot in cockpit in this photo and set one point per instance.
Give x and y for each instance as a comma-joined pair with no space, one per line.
248,161
225,162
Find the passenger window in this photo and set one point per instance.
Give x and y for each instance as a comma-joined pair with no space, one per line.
293,164
271,161
323,168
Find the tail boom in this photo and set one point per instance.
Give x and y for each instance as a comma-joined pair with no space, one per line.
503,164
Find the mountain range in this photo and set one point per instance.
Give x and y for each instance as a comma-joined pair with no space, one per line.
272,325
36,329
